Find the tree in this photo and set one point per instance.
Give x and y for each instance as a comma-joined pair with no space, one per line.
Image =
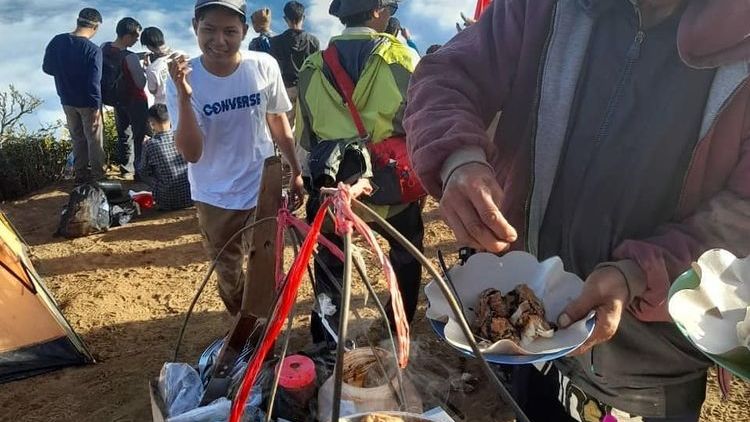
13,106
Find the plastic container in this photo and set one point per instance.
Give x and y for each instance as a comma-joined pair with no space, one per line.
298,378
144,199
358,365
112,188
297,386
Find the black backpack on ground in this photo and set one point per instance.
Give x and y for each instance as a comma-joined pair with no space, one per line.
113,80
87,212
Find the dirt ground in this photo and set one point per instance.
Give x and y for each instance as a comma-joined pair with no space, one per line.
126,291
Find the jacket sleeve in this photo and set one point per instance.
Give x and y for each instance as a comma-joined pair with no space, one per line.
145,170
714,32
315,45
457,91
303,133
723,221
95,81
48,64
412,44
136,70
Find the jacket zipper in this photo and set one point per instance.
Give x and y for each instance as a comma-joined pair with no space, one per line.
633,54
535,107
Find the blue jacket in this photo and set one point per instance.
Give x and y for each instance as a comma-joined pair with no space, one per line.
76,64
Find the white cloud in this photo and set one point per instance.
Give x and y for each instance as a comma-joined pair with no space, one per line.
320,23
26,26
442,13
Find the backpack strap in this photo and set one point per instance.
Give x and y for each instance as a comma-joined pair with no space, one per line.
345,85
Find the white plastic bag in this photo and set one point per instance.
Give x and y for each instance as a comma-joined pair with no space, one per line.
181,387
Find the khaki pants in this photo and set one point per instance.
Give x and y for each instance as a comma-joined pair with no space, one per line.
86,133
217,226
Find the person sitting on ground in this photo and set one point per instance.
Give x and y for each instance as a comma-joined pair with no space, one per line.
76,64
157,72
229,106
162,166
261,20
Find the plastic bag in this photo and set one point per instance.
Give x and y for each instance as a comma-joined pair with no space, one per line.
218,411
181,388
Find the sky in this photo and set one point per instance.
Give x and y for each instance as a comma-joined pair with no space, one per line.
26,26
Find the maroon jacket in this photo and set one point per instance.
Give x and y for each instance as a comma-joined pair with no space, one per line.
497,66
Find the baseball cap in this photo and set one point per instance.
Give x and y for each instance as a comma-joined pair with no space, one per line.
344,8
236,5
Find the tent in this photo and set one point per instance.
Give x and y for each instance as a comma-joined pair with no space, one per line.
34,335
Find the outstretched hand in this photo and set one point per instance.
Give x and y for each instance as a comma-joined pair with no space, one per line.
470,206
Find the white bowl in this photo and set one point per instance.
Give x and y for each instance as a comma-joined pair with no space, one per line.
549,281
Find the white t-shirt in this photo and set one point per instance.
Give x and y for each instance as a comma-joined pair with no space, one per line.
231,113
157,74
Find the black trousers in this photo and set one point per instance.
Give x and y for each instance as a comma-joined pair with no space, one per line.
131,120
537,395
407,269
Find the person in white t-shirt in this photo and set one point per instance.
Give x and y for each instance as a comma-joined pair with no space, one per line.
229,106
157,71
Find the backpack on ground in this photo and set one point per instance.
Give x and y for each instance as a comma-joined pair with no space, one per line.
87,212
113,78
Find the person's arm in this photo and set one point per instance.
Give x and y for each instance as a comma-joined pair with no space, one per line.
713,33
152,79
48,63
188,136
303,133
95,77
278,124
639,278
281,132
315,43
145,171
136,70
453,97
409,41
723,221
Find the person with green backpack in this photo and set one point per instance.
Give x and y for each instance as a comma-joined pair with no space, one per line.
351,101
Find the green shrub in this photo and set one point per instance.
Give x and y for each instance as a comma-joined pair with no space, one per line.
110,136
28,163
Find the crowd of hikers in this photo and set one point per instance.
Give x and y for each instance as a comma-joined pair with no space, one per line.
614,134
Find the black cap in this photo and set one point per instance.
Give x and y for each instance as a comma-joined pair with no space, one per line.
236,5
344,8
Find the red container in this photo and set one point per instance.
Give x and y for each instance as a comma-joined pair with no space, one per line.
145,200
298,378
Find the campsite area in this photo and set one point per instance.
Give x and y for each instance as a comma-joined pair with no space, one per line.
126,291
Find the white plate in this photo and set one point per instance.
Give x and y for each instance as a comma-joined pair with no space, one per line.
724,287
549,281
